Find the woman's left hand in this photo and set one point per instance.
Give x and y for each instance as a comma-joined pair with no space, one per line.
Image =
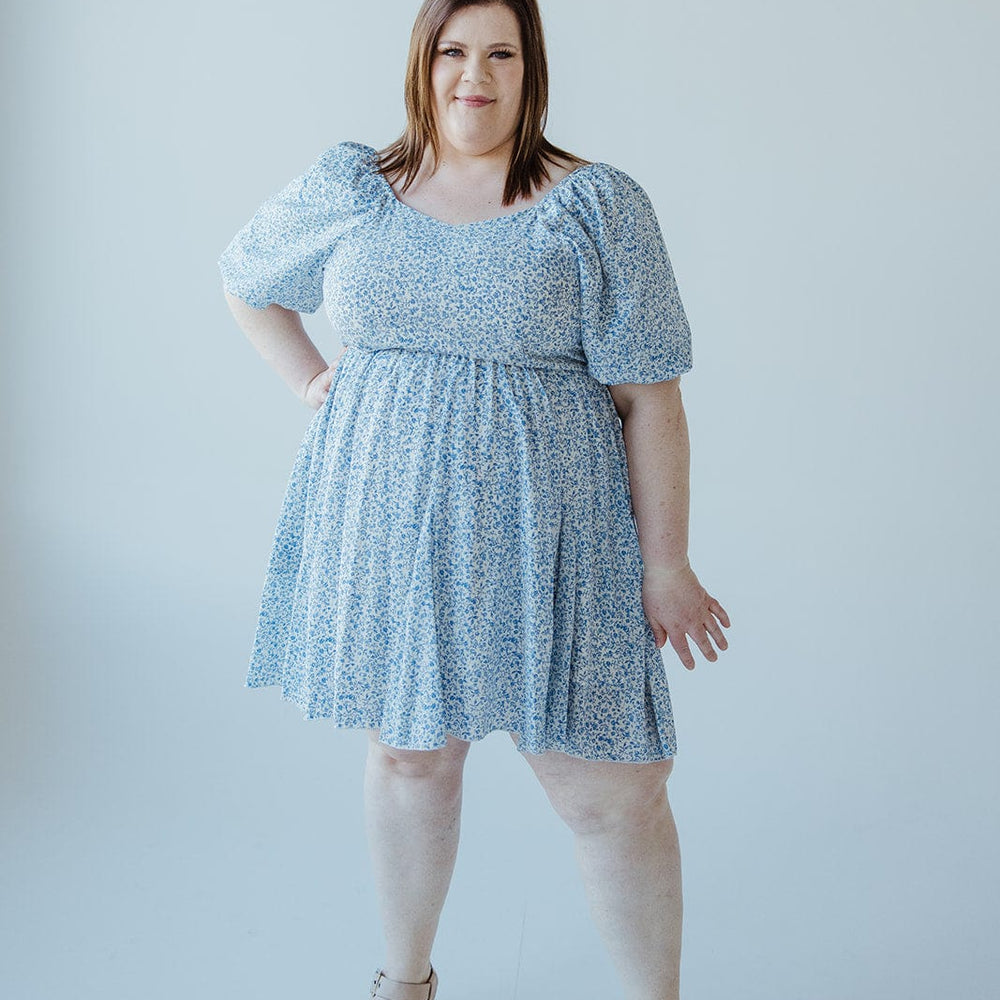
678,606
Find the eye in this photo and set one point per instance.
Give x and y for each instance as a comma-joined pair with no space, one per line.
506,53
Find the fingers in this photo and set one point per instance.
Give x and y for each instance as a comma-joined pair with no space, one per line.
677,615
700,636
719,611
703,636
678,640
713,627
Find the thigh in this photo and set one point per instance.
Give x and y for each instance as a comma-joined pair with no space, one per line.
592,793
452,754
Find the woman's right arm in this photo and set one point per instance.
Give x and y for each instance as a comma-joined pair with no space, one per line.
281,340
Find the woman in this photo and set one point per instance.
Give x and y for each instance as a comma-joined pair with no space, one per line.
456,553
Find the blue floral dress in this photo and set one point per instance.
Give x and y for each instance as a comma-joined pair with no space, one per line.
456,550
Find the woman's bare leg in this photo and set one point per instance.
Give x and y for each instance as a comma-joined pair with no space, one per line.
413,804
628,852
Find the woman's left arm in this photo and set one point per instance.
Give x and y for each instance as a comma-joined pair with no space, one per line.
655,431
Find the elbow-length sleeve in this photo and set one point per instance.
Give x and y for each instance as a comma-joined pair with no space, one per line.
634,327
278,256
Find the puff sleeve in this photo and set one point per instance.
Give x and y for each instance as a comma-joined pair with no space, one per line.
278,256
634,327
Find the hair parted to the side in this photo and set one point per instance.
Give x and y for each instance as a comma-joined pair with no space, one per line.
404,155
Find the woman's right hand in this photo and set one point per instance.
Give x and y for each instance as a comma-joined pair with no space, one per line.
318,387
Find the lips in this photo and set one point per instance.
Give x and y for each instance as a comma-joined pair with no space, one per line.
475,101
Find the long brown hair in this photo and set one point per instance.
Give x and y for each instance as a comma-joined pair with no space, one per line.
527,168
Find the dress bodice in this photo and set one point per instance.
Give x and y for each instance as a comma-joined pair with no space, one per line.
580,279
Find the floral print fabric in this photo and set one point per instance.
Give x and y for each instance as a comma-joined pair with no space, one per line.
456,551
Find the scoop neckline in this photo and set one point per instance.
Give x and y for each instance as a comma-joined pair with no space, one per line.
477,222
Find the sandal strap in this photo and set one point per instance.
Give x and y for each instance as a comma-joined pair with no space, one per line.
384,988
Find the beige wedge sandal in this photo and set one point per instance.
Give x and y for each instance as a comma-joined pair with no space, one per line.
384,988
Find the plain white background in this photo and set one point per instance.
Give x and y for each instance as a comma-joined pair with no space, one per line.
825,176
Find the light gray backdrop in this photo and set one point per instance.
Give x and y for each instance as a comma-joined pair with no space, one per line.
826,178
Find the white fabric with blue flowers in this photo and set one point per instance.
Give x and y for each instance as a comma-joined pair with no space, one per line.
456,551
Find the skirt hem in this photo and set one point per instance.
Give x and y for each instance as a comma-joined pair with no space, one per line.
524,746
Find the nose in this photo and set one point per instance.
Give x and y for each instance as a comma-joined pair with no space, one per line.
475,69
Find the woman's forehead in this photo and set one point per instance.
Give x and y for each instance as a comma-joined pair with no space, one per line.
496,20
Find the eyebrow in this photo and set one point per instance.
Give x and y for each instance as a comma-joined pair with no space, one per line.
493,45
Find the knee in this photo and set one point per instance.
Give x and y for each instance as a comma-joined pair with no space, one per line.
627,800
441,763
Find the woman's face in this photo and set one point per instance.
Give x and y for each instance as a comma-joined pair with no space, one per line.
478,55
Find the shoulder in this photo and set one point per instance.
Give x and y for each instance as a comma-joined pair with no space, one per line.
342,174
612,186
560,167
348,157
605,196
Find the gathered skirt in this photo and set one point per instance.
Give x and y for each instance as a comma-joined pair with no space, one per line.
456,554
